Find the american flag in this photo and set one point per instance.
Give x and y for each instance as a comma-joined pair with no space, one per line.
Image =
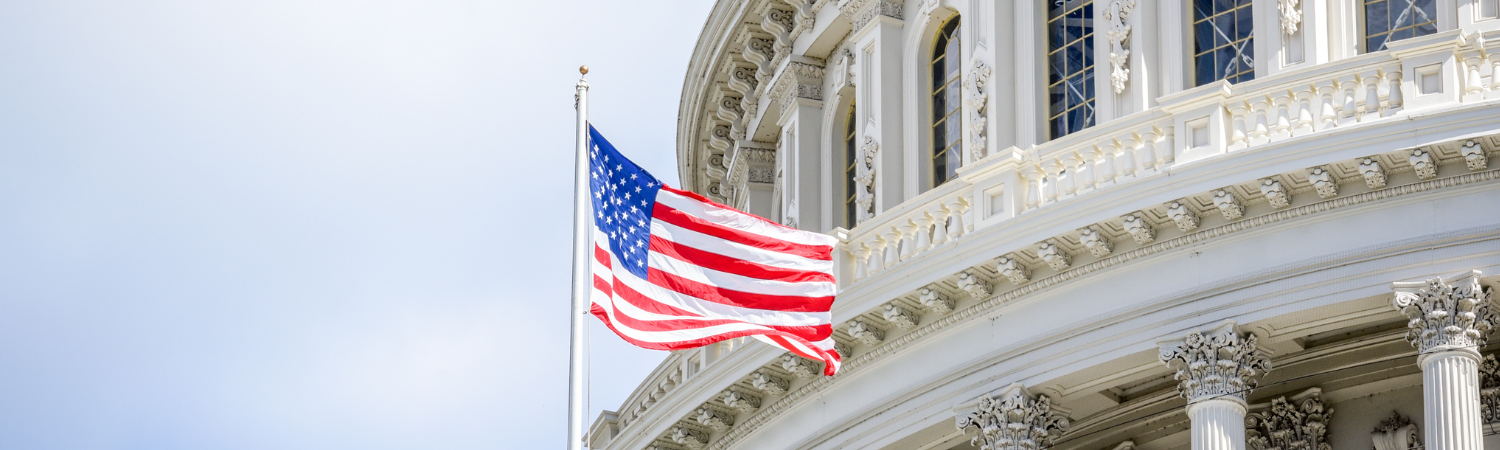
673,270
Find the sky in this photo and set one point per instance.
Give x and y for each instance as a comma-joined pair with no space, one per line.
310,224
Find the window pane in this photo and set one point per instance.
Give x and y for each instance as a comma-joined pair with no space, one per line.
1203,37
1375,19
1202,9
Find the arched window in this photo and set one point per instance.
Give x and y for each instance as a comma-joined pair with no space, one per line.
1070,56
851,160
947,128
1387,20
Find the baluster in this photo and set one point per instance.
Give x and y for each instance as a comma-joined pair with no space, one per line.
1166,149
1347,113
922,224
1494,76
1033,187
1065,185
861,257
939,217
1473,87
1328,114
1262,132
892,246
1394,100
1305,99
1372,98
1085,171
1238,138
956,208
1145,155
1104,166
908,240
1283,115
1050,190
876,255
1124,153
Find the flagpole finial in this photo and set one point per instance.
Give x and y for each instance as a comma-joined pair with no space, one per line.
584,70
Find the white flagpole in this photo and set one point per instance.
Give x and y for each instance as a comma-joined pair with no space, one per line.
581,234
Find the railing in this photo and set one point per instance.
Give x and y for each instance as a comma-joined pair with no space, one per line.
927,221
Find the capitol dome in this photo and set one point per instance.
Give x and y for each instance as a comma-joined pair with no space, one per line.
1104,224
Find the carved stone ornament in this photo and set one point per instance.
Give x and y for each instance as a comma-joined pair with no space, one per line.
1185,219
1396,433
862,12
798,366
865,333
1474,156
768,383
1228,205
741,401
975,286
1323,182
899,316
1053,255
1374,175
713,418
1014,421
1291,16
1098,245
1116,15
1220,363
1422,162
1489,389
864,179
1275,195
689,437
977,101
1013,270
762,175
844,350
935,300
1301,423
1446,315
1139,230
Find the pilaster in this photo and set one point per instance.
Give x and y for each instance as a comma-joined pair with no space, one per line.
877,38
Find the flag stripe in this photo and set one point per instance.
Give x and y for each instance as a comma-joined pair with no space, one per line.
737,282
790,303
725,264
682,219
697,206
731,249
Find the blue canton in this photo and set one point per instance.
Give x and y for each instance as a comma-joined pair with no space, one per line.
623,196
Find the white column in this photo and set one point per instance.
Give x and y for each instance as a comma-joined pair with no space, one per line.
1449,321
1216,370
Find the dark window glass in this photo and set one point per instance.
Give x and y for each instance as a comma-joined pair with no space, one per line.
1223,41
1070,88
946,124
1394,20
851,159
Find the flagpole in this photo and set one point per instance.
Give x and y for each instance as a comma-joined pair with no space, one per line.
581,231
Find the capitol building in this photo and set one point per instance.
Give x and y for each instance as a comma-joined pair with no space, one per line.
1104,225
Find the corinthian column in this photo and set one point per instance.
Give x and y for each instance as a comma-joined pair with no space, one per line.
1448,323
1014,420
1215,371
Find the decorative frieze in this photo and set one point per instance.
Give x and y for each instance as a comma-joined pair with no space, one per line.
1301,423
1185,219
1422,163
1013,270
935,300
1374,175
1220,363
1228,205
899,316
713,418
1098,245
1014,420
1053,255
970,282
799,367
1274,194
770,384
802,78
862,12
864,179
1446,314
1396,433
1116,16
865,333
1474,156
1139,230
977,100
741,401
1323,182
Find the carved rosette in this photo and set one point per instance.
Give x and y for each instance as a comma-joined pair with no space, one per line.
741,401
1374,175
864,179
1116,15
899,316
1396,433
977,101
768,383
1291,16
1228,205
1300,424
1220,363
1489,389
1014,421
1097,244
1446,315
935,300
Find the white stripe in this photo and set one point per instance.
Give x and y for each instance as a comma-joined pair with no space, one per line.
736,282
737,250
716,310
740,221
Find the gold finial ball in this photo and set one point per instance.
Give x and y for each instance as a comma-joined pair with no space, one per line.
583,70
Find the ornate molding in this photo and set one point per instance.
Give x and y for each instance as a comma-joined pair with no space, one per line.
970,282
1053,255
899,316
977,101
862,12
798,80
1301,424
1446,315
1291,15
1396,433
1139,230
1422,162
1373,174
1228,205
1474,156
689,437
865,333
1220,363
770,384
864,180
1275,195
1014,421
1116,15
935,300
1013,270
1489,389
741,401
713,418
1323,182
1185,219
798,366
1097,243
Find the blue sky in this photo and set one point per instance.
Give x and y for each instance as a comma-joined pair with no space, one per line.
309,224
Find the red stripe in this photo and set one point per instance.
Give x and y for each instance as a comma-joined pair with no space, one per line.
602,284
598,311
721,263
667,214
695,196
625,293
601,255
786,303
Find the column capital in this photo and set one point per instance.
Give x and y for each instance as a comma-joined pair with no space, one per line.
1014,420
1216,364
1446,315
